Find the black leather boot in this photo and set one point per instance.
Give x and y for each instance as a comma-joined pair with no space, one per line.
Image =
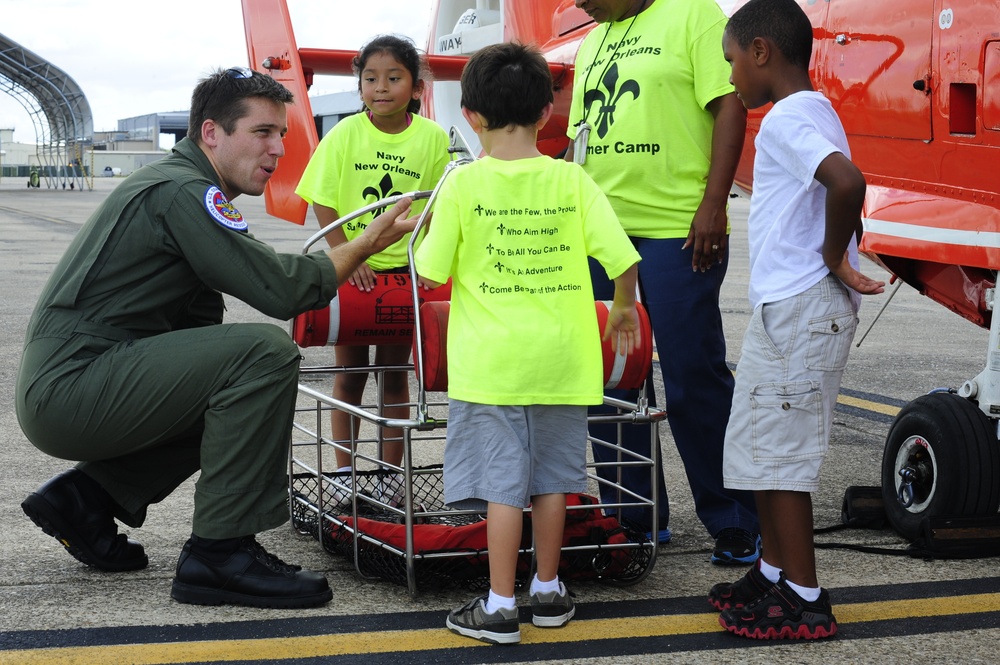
75,510
239,571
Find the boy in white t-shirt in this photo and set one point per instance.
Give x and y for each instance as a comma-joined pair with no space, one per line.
514,231
805,221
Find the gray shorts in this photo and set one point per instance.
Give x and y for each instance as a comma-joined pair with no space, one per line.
787,382
508,454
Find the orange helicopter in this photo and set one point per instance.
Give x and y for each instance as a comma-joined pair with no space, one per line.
917,86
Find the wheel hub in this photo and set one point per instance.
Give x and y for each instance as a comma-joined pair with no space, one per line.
915,476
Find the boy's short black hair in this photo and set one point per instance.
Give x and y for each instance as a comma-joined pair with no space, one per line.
779,21
221,96
508,84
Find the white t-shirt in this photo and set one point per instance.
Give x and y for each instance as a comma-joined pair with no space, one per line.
788,205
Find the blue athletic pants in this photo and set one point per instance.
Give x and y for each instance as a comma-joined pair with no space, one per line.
683,308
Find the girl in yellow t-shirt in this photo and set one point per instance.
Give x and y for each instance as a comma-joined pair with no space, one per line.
384,150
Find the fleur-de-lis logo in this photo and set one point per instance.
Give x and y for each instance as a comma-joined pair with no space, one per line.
385,184
607,103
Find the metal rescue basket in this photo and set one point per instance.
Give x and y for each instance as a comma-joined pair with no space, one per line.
391,520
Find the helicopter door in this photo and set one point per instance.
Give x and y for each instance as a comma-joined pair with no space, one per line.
874,63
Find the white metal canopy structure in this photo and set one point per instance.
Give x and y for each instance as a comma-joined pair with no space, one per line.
64,125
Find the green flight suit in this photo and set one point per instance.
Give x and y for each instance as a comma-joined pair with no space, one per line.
128,367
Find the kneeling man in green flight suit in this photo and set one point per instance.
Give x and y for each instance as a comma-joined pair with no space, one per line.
129,369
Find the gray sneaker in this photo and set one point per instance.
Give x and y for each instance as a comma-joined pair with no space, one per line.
552,609
471,620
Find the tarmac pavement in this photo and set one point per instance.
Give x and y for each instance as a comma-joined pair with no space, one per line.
48,599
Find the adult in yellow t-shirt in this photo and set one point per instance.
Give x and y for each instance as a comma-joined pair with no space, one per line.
665,135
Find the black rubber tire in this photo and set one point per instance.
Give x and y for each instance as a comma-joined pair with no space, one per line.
952,447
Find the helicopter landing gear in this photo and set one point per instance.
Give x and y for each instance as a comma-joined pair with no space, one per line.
941,457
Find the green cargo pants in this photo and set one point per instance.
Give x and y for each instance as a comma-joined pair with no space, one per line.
143,415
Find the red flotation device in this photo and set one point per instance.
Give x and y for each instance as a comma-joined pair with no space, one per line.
383,315
620,371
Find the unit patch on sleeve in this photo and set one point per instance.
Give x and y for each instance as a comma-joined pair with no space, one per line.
222,211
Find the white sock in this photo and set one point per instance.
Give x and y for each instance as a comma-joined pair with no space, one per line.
495,602
344,469
808,594
770,572
538,586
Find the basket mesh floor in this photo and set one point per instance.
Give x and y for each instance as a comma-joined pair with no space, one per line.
464,568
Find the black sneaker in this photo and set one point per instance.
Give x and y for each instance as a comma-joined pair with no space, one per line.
248,575
735,546
471,620
736,594
75,510
552,609
782,613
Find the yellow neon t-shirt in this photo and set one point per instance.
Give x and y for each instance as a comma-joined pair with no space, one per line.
356,164
514,236
643,87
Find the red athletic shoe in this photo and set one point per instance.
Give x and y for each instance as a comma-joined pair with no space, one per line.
782,613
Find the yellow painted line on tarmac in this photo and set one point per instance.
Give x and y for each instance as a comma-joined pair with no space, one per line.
337,644
868,405
340,644
909,609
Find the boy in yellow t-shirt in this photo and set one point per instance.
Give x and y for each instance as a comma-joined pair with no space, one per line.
514,231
